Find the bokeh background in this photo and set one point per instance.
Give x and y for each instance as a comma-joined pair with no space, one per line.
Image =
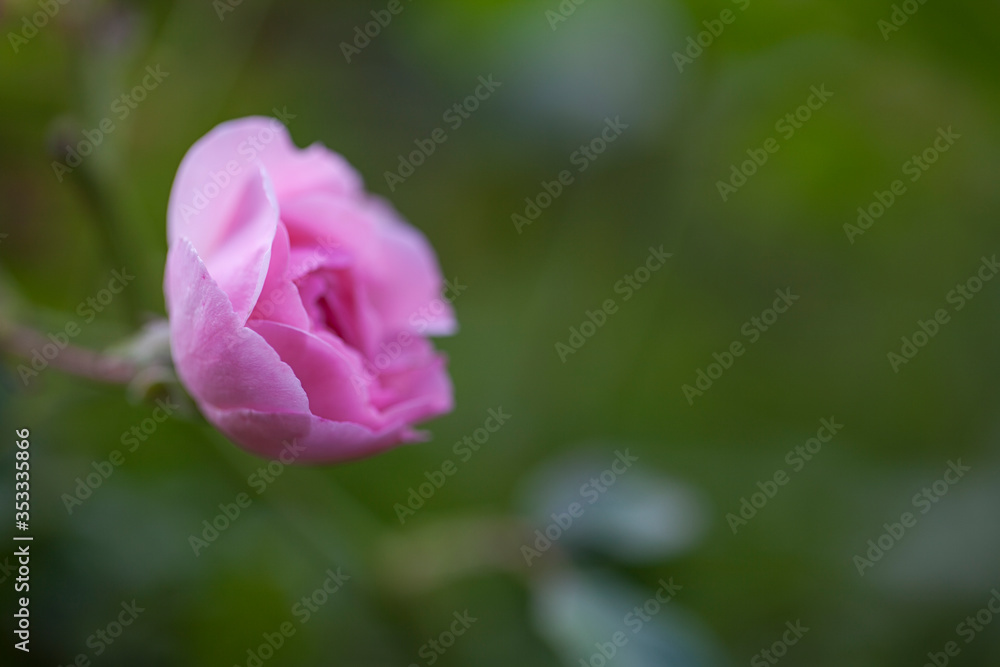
663,520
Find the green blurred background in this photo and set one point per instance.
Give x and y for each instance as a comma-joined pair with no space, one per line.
656,184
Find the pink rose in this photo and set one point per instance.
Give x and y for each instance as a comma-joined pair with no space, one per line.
298,304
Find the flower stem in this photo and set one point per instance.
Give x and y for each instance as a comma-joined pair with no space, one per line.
26,343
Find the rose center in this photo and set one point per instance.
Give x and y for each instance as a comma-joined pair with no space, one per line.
333,305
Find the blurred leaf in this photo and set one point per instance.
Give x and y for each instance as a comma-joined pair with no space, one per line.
583,613
643,517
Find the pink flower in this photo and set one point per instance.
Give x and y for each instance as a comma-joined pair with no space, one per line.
298,304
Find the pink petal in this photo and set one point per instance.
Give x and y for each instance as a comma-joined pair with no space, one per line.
338,441
420,392
263,433
406,285
330,230
323,441
280,300
222,363
329,371
233,236
213,171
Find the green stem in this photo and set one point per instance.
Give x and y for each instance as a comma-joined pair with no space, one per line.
26,343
